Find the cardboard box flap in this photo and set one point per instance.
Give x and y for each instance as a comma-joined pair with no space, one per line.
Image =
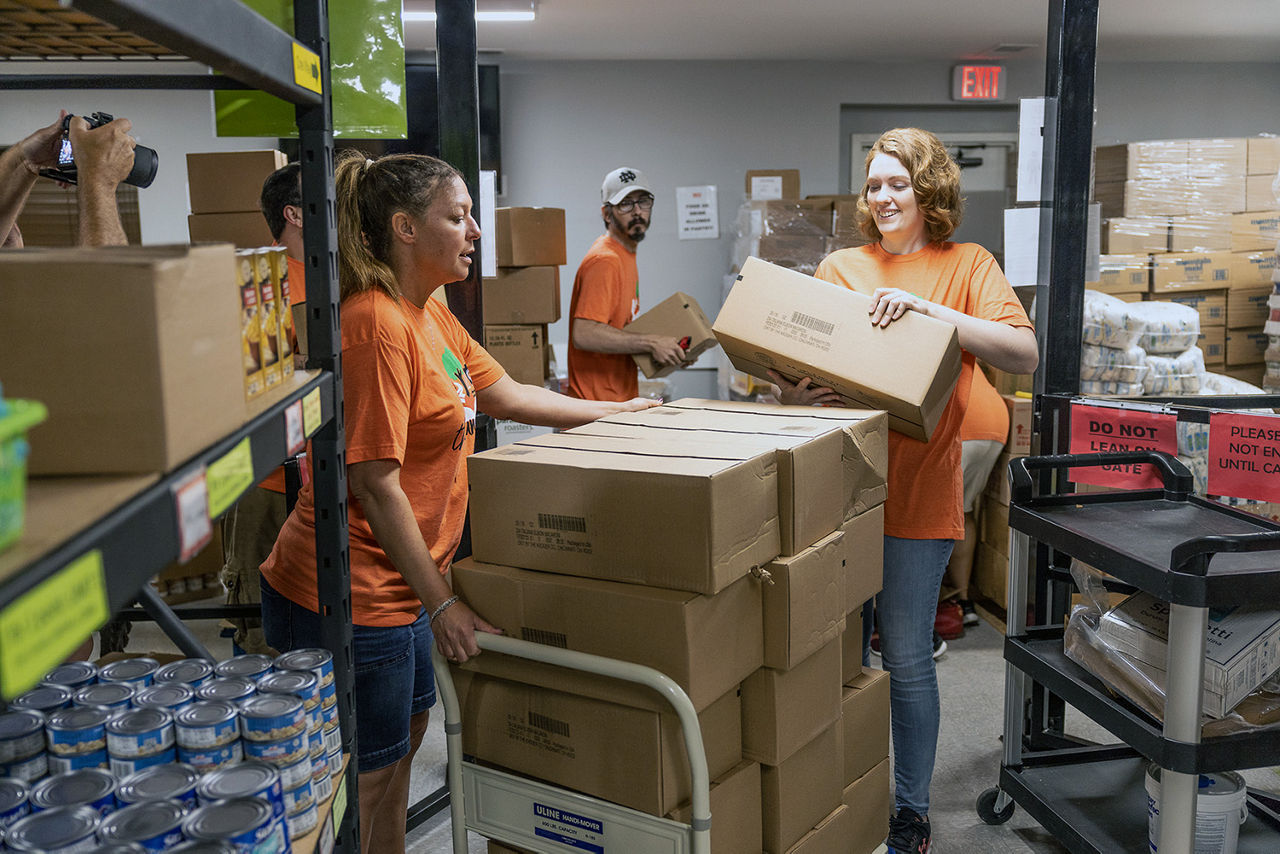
678,418
535,452
682,447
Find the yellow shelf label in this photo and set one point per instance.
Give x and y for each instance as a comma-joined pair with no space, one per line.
340,803
306,68
40,628
311,412
229,476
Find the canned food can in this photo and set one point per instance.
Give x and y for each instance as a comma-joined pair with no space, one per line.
124,767
15,801
77,730
174,782
293,776
73,675
335,763
317,750
247,823
304,821
286,751
272,717
21,735
169,696
250,666
330,714
332,738
28,769
329,694
65,830
249,779
302,684
316,739
321,783
205,724
88,787
188,671
109,695
226,690
155,825
315,717
45,699
77,761
134,733
296,800
134,671
318,661
207,759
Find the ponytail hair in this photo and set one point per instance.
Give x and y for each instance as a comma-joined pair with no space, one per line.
369,193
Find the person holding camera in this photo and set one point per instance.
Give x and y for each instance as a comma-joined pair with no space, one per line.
104,157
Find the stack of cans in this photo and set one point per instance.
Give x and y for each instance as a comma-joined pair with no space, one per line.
208,735
319,662
274,727
252,780
22,753
139,738
77,738
192,672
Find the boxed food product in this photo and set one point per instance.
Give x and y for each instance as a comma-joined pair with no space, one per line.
864,715
1253,269
1263,155
1260,192
735,805
801,791
1176,271
247,230
804,605
251,355
521,350
1200,232
1142,197
269,312
523,295
1135,235
1146,159
766,184
1211,303
783,709
1218,157
799,326
1213,343
870,803
283,288
1246,347
141,369
678,316
230,181
1248,308
1122,274
529,237
1253,231
1223,193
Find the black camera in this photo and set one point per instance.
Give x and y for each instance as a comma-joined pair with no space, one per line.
145,160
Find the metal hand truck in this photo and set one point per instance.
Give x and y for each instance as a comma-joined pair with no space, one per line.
518,811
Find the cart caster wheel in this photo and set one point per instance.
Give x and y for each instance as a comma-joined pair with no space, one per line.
987,808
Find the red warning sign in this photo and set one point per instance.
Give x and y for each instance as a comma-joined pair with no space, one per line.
1104,429
1244,456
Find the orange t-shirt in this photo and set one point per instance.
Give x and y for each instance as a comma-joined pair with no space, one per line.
297,294
986,416
607,290
410,377
926,488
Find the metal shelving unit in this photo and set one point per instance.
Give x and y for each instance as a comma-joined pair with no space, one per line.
98,541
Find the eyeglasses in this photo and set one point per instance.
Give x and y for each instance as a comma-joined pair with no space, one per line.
644,203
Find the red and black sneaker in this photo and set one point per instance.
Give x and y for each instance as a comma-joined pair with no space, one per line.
908,833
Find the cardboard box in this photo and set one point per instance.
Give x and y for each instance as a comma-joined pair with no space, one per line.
804,607
1175,271
1252,374
1247,308
778,319
706,644
269,309
735,811
1224,193
864,715
800,792
1019,442
1210,304
230,181
793,251
1246,347
1144,197
529,237
851,647
246,230
783,709
998,486
1259,193
617,741
810,217
870,801
1214,158
1122,274
1200,232
559,508
1255,231
509,431
1213,343
864,557
1135,235
1254,269
991,574
1007,383
523,295
1146,159
135,351
765,184
1263,155
995,525
251,351
678,316
829,837
521,350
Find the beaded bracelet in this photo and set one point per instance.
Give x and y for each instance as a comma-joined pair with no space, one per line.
442,607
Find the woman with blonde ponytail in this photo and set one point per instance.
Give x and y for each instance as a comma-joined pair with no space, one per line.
413,380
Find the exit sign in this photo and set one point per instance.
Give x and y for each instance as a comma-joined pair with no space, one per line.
977,83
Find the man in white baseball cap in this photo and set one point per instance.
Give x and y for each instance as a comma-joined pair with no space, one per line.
606,297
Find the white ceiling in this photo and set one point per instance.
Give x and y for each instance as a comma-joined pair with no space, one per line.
863,30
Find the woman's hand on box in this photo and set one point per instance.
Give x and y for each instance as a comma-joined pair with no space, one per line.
803,392
889,304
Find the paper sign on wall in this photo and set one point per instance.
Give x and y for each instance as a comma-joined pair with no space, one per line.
697,216
1244,456
1104,429
488,227
1030,148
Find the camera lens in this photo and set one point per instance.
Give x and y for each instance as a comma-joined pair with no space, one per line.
145,164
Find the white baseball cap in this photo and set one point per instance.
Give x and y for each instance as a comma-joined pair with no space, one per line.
622,181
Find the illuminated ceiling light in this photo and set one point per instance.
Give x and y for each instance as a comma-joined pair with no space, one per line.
486,10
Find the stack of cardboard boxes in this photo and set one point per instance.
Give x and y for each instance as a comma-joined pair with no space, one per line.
224,188
1195,221
991,559
524,296
728,545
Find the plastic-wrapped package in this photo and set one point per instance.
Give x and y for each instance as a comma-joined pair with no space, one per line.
1109,364
1100,387
1221,384
1169,327
1173,375
1198,465
1193,438
1111,322
798,217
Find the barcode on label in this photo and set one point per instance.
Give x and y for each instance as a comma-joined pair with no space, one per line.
547,724
808,322
544,637
556,522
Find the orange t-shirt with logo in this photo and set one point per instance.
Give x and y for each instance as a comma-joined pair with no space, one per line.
986,417
926,489
606,290
410,377
297,294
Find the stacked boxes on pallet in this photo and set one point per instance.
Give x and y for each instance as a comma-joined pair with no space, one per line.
991,559
649,537
524,296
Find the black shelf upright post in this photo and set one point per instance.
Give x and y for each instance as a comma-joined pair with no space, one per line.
333,567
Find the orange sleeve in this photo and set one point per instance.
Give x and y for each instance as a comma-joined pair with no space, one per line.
599,295
376,395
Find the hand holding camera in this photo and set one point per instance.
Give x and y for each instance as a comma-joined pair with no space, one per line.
101,147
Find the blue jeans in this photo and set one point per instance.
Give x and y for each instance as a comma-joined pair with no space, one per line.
905,609
394,679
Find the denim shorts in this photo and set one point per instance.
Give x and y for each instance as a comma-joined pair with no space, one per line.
393,678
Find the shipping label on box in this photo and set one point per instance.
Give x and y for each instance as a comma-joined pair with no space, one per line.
522,295
864,557
1213,343
783,709
1123,274
230,181
798,793
521,350
864,713
1251,232
767,184
1190,271
1254,269
1210,304
529,237
777,319
514,431
804,607
678,316
1246,347
1248,308
1135,235
1200,232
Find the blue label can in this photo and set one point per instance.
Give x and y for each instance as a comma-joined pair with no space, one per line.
207,759
134,671
188,671
286,751
205,724
45,699
109,695
272,717
29,769
155,825
249,779
169,696
250,666
303,821
174,782
21,735
124,767
77,730
318,661
65,830
88,787
227,690
134,733
15,801
246,823
73,675
78,761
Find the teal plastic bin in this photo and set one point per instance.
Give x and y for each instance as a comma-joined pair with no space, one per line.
16,418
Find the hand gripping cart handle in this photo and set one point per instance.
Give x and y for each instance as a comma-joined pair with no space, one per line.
550,820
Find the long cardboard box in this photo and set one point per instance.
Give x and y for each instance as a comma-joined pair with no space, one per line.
801,791
678,316
1122,274
695,524
1135,235
1145,159
1216,157
864,715
1246,347
863,557
523,295
870,801
1200,232
783,710
1220,193
134,350
782,320
1143,197
735,811
1195,271
230,181
1210,304
1248,308
1251,232
1254,269
1263,155
529,237
804,606
831,836
1259,193
706,644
